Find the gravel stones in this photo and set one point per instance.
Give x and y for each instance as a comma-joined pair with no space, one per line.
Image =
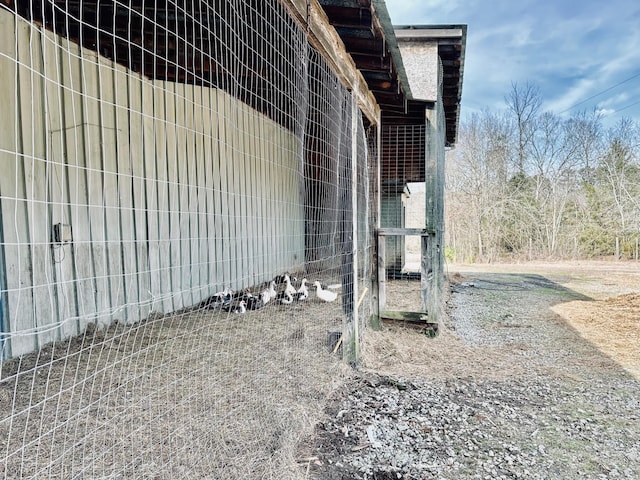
398,428
551,423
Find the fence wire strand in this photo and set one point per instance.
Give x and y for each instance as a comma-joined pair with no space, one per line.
156,156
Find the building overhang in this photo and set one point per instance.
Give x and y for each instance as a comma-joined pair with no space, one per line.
365,28
451,44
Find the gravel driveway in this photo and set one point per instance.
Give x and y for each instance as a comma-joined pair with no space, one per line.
507,390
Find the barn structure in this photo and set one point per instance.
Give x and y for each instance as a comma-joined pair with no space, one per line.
156,153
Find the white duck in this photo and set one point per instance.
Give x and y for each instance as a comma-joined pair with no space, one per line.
225,293
272,290
303,291
288,287
324,295
265,296
220,298
239,307
269,293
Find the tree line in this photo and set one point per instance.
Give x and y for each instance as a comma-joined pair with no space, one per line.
529,184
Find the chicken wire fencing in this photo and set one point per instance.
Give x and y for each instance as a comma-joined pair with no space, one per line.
170,172
412,213
402,206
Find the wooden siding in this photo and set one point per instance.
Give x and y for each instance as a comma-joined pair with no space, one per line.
164,186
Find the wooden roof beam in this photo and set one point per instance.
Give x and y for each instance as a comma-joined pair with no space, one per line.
349,16
324,38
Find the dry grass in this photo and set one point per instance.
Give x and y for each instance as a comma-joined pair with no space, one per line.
609,323
611,320
402,352
612,325
199,394
206,394
399,352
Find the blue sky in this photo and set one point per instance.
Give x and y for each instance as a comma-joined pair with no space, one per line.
571,50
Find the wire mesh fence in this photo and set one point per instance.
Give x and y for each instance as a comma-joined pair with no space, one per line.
170,172
412,212
403,207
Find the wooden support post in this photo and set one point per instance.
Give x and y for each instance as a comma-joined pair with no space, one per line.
434,179
382,273
349,210
375,280
5,346
355,122
425,267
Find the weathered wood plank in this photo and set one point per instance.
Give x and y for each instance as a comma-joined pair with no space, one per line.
76,158
377,274
111,187
92,139
199,180
180,209
190,272
211,165
155,190
260,186
247,195
45,152
416,320
8,164
390,231
426,272
382,272
238,192
141,135
14,211
254,222
223,210
324,38
355,121
126,155
171,264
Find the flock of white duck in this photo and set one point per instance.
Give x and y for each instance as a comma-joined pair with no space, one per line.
280,290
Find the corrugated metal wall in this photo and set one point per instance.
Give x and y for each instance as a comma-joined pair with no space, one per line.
152,178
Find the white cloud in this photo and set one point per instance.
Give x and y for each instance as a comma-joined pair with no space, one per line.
615,101
604,112
571,96
572,51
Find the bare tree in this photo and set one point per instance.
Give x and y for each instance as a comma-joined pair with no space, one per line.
524,102
477,186
531,183
621,169
585,133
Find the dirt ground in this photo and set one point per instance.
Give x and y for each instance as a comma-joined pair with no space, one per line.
534,375
600,301
201,393
531,376
609,316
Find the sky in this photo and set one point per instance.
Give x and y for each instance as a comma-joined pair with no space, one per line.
581,54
